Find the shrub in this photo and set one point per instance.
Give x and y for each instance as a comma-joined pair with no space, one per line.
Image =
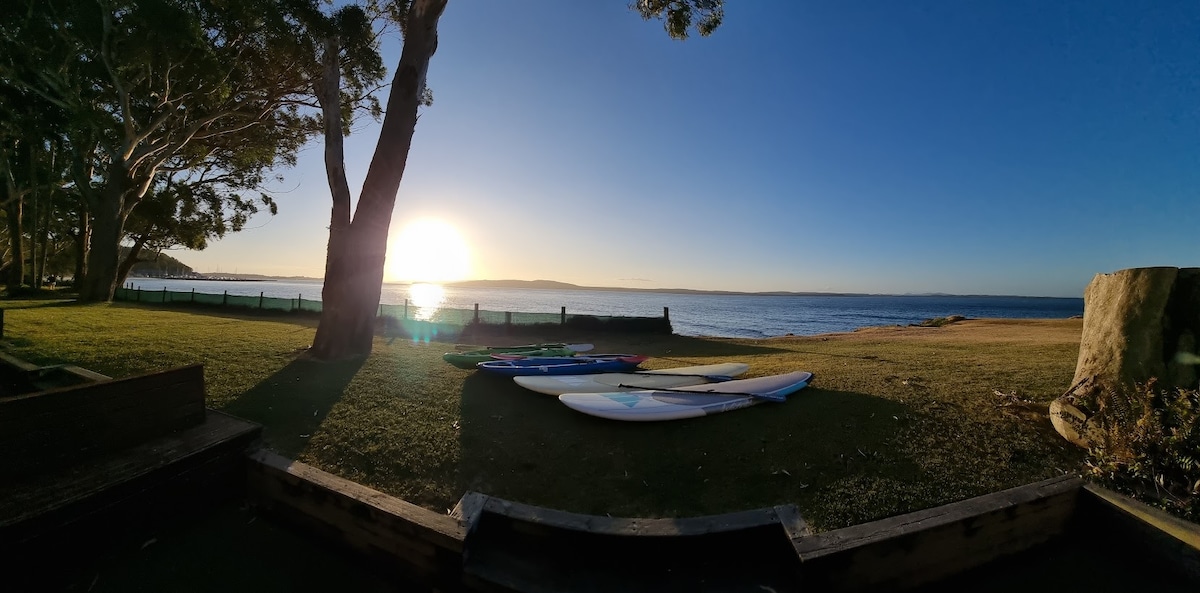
1151,448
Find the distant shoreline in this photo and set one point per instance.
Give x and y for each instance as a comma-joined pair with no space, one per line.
555,285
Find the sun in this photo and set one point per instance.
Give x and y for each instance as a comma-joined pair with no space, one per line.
428,250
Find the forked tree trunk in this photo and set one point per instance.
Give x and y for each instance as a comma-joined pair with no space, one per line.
354,265
1138,324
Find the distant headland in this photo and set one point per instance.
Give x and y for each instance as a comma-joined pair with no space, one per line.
556,285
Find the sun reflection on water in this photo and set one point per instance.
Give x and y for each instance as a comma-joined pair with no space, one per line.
425,299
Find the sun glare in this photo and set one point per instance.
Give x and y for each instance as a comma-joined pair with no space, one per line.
428,250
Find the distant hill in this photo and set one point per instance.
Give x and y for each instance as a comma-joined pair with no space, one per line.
546,284
162,265
554,285
169,266
236,276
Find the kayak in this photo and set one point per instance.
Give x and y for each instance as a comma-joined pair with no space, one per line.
656,379
563,365
469,358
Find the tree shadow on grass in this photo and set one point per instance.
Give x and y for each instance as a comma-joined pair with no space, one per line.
292,403
528,447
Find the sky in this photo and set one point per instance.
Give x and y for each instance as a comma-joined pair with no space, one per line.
987,147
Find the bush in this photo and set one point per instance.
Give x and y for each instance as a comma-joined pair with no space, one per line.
1151,447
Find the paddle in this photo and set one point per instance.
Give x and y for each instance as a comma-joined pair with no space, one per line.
572,347
767,396
709,378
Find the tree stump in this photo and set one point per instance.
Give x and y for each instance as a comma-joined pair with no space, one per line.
1138,324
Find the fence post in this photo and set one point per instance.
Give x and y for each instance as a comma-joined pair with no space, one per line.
476,312
139,294
299,301
562,318
260,299
225,298
667,314
508,318
193,294
164,294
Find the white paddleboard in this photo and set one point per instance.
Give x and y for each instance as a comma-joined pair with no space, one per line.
608,382
685,402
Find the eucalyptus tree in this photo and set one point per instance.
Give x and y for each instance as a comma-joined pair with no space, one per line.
33,173
357,245
147,82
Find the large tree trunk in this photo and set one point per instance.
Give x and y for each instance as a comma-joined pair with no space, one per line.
1138,324
354,267
108,223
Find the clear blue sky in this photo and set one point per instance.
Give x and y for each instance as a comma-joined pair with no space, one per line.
999,147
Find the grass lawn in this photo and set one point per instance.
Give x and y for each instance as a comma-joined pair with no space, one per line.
898,418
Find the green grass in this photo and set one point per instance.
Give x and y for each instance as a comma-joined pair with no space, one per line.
898,419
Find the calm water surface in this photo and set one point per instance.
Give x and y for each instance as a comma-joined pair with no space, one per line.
735,316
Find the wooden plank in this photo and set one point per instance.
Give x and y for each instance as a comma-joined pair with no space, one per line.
928,545
792,521
17,363
469,509
520,547
621,526
1171,540
84,373
534,551
60,427
428,544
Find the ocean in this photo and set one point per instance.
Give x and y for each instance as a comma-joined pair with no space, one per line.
716,315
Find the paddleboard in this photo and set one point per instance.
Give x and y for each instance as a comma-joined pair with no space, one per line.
686,402
641,380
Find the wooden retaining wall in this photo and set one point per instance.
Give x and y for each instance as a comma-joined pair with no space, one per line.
84,462
395,535
82,467
60,427
926,546
518,547
1168,541
491,544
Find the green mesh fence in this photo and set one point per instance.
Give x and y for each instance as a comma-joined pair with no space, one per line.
407,314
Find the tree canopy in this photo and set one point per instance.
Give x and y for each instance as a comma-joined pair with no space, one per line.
196,100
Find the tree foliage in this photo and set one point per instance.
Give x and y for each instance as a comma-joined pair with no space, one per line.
1151,446
681,16
358,243
151,96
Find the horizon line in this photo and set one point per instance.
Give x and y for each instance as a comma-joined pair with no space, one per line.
525,284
